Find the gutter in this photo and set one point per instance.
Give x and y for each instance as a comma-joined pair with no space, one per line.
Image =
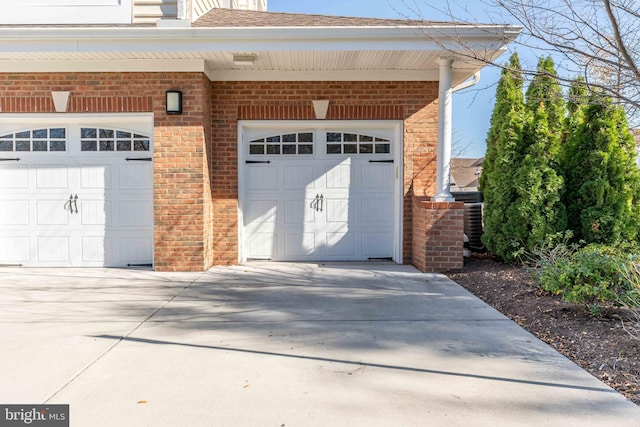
468,83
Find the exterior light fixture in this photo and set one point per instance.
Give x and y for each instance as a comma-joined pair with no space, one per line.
244,58
174,102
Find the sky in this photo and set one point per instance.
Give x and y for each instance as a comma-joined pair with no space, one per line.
471,107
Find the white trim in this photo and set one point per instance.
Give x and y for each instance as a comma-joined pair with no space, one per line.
395,125
145,119
201,66
489,39
67,12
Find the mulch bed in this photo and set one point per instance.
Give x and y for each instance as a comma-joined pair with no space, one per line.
602,346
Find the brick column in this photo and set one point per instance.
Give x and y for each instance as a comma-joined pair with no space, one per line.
438,231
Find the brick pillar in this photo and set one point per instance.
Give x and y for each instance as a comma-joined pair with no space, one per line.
438,232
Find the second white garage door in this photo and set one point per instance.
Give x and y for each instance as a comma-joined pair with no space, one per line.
319,191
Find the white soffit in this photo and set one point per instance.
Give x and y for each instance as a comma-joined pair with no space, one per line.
342,53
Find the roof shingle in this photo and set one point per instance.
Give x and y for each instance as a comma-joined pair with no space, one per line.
249,18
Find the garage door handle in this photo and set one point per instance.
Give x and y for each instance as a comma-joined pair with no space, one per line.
17,159
251,162
380,161
71,205
317,203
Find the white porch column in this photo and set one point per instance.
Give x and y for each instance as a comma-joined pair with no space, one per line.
443,174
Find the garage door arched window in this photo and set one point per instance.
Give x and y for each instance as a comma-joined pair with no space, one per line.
110,140
49,139
355,143
289,143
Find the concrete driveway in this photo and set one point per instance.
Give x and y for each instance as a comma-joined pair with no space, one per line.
272,344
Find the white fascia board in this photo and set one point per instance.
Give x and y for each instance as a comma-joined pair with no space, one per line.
200,66
132,65
149,39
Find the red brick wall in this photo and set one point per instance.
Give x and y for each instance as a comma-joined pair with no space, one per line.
438,229
413,102
195,160
182,206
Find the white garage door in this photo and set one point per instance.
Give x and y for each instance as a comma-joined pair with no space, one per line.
76,191
319,192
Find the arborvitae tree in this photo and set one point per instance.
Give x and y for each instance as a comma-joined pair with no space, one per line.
503,140
601,175
537,210
545,88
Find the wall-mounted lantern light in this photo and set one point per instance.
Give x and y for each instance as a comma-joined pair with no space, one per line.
174,102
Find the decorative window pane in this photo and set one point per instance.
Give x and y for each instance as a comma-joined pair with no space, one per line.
305,137
350,137
40,140
106,133
88,133
305,149
106,145
334,137
39,145
285,144
383,148
57,146
273,149
141,145
57,133
256,149
334,149
89,146
366,148
23,146
40,133
353,143
98,139
350,148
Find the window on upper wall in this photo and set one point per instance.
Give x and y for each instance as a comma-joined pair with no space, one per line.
35,140
289,143
110,140
355,143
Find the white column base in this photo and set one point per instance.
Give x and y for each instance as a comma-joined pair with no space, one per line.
443,198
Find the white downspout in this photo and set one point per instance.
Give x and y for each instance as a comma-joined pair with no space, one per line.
443,172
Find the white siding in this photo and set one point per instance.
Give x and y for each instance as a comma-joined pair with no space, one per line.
65,12
200,7
260,5
149,11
